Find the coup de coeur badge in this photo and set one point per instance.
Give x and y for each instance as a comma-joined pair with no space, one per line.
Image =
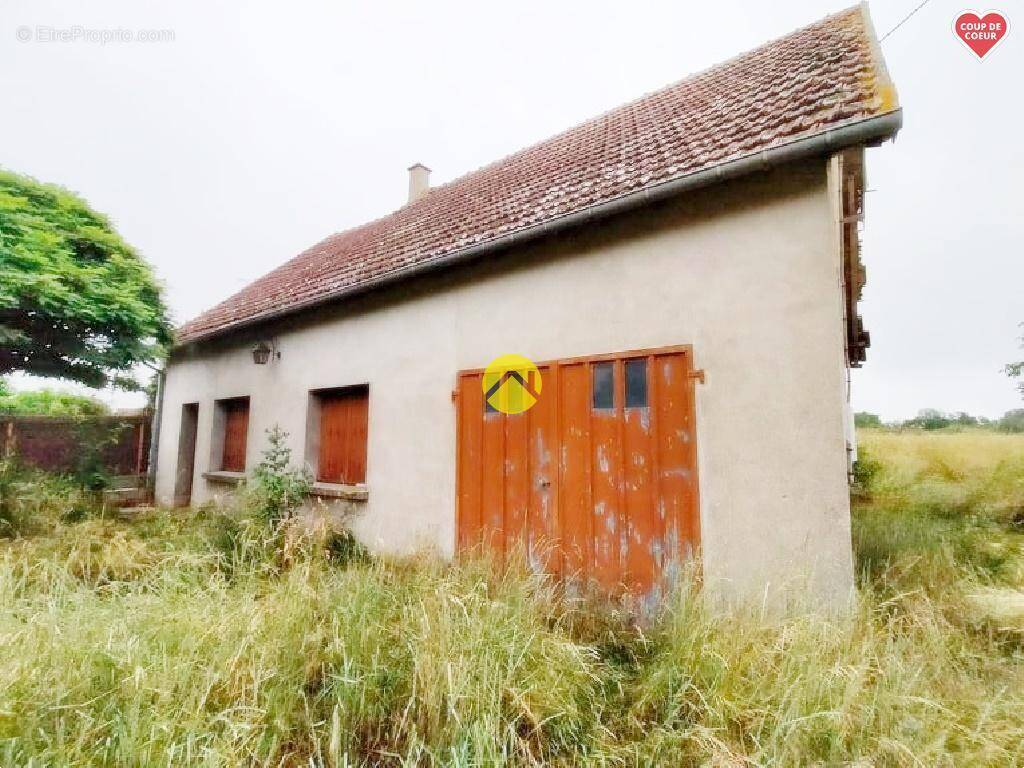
981,32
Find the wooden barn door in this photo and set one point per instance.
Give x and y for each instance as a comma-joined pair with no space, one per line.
597,481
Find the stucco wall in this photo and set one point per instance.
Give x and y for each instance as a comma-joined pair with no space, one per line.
747,273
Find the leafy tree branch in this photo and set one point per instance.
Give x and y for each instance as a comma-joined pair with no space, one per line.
1016,370
76,301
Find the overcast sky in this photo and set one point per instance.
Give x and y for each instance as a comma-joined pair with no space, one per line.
262,127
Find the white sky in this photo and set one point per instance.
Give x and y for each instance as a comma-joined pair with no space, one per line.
262,127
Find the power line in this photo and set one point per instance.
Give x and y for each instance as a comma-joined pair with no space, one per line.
905,20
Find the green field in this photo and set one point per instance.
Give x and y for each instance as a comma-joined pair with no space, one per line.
178,640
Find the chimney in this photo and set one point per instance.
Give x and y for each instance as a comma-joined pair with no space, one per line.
419,181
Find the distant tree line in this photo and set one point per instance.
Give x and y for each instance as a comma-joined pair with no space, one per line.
48,402
931,419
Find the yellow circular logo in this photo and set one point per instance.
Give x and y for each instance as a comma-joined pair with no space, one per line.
511,384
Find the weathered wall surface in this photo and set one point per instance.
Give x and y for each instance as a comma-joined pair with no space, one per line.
747,273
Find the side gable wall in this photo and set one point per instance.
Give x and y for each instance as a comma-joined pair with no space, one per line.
748,273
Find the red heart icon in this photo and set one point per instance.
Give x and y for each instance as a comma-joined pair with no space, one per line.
980,33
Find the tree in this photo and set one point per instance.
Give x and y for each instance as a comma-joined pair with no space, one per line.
1012,421
869,420
1016,370
278,488
964,419
48,402
76,301
929,418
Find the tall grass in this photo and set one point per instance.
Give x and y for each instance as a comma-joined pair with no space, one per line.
179,639
947,506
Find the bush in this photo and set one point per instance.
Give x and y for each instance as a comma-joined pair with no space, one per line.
32,501
246,545
49,402
1012,421
277,488
929,419
864,420
261,533
94,439
865,471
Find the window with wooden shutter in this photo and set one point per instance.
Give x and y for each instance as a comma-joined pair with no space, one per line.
343,434
236,429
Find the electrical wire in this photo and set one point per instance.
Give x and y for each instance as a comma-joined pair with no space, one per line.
905,20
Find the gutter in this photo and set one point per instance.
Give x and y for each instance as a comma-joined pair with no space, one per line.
154,435
872,129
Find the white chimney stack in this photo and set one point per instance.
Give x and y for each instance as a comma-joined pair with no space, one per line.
419,181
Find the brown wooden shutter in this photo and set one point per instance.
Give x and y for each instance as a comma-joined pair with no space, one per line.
343,430
236,429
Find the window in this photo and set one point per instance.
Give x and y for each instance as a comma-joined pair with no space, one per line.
603,385
343,419
636,383
231,433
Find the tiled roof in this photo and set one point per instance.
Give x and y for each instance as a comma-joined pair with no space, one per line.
821,77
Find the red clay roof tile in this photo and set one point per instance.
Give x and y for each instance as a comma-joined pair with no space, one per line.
818,78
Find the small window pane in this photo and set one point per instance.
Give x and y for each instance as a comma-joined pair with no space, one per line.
636,383
604,385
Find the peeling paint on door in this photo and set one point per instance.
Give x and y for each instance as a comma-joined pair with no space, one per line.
619,508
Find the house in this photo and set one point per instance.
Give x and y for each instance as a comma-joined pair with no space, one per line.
684,273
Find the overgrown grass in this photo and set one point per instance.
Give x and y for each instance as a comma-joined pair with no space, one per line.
33,502
186,639
947,507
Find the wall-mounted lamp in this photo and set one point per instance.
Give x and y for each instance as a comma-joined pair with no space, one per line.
262,351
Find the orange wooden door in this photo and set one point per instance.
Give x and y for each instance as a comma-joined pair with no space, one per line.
596,482
236,431
343,432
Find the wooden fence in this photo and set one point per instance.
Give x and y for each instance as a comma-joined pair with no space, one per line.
59,444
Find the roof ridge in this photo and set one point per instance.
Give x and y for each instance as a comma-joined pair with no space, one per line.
640,99
589,121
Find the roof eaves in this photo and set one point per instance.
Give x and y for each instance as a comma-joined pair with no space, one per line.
874,129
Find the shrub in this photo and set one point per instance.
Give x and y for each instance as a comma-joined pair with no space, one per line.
94,439
278,488
261,533
865,472
342,548
32,501
49,402
1012,421
862,420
